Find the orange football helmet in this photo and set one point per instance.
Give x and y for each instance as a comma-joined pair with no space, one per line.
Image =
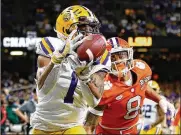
121,55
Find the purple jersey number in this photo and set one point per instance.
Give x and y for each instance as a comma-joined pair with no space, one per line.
69,97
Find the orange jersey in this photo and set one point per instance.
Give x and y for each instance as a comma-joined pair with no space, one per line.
177,118
123,103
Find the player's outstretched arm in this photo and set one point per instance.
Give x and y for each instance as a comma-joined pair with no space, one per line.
44,68
161,117
163,103
91,122
47,65
56,57
92,119
152,95
93,87
96,84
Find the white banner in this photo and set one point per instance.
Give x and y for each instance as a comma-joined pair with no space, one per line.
22,42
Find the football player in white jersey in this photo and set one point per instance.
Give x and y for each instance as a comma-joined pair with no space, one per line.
153,116
65,85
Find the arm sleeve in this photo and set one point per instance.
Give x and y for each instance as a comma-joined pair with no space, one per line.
96,112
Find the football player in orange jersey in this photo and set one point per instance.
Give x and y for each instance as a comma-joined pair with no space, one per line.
125,88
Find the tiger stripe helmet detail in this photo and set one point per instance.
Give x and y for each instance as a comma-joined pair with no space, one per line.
73,16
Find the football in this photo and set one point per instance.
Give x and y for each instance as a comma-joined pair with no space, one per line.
93,47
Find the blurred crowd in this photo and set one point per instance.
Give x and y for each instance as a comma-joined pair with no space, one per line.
18,96
16,92
123,18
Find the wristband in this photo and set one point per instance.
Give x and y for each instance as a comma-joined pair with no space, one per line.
96,112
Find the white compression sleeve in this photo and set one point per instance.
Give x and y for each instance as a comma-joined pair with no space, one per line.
96,112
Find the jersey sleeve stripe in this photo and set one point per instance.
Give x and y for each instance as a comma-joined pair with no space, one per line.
50,45
104,58
46,46
43,48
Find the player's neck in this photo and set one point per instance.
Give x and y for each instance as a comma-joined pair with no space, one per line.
128,78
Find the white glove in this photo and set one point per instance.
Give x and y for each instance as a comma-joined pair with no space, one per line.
72,42
83,71
165,105
58,56
74,39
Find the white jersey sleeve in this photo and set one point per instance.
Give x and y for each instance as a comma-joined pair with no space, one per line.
48,45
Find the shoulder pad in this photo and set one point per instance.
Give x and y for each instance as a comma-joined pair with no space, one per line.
48,45
142,68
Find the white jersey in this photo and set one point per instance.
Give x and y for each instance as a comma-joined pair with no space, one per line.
149,110
62,103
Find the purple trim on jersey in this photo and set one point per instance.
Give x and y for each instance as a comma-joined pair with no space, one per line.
43,48
50,45
105,61
69,97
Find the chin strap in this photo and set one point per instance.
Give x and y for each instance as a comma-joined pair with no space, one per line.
121,73
129,82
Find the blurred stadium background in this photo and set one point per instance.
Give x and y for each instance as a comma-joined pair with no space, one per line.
152,27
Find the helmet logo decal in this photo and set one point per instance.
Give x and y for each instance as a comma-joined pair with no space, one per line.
66,17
